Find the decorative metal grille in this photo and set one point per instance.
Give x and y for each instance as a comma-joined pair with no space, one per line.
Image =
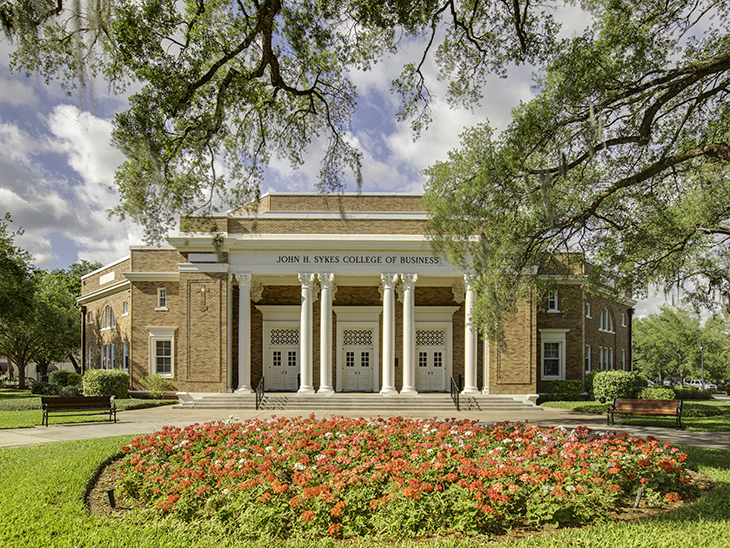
357,337
431,337
284,336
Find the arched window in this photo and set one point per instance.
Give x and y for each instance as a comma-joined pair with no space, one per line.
107,318
605,323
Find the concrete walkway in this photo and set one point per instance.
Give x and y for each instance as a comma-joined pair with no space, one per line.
146,421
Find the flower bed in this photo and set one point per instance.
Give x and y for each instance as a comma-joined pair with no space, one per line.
393,478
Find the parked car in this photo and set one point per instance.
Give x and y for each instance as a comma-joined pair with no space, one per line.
696,383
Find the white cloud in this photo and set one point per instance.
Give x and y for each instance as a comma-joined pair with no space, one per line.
16,93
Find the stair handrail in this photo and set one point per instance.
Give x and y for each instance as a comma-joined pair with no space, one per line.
260,392
455,393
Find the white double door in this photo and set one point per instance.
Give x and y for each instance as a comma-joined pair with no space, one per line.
282,360
358,360
431,360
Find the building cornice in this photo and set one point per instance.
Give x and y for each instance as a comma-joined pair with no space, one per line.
152,276
104,292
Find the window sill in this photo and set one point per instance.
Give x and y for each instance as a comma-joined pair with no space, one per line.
161,309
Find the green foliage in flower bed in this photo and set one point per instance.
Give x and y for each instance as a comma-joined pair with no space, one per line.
56,476
395,478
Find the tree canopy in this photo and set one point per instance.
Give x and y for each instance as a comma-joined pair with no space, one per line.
620,160
224,86
667,345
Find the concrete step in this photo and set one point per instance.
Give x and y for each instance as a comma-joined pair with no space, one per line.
423,403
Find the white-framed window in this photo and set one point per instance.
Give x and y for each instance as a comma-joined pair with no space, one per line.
125,356
588,310
605,323
90,358
605,357
161,298
552,352
588,357
553,302
125,308
623,320
623,359
162,351
107,318
89,317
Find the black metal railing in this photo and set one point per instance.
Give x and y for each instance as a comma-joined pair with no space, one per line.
260,392
455,393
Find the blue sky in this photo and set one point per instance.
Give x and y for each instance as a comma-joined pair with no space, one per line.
57,166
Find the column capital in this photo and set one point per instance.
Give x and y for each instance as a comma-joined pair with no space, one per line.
389,280
244,278
409,280
326,279
469,280
307,279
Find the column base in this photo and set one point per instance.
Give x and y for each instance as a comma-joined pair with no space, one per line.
409,391
470,391
305,390
243,390
388,391
325,391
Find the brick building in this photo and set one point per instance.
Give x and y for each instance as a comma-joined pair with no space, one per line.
318,303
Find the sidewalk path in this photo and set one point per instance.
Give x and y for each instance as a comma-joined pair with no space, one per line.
146,421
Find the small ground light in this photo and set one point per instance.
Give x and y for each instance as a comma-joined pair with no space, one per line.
110,494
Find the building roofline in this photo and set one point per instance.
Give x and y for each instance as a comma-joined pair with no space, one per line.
101,268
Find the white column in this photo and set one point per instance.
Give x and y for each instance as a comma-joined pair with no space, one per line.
244,333
305,334
389,281
409,334
485,360
229,332
326,280
470,343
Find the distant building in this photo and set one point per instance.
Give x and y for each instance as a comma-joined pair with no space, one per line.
317,304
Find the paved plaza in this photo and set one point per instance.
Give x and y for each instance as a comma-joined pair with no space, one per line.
146,421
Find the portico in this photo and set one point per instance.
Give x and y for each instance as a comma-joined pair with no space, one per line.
366,333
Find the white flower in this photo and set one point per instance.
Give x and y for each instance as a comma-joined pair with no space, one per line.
299,466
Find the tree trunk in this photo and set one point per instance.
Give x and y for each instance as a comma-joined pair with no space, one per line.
76,365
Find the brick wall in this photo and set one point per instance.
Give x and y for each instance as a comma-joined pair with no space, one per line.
143,305
93,282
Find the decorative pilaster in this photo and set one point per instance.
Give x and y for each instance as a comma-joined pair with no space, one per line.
470,341
305,329
389,281
326,282
244,333
409,334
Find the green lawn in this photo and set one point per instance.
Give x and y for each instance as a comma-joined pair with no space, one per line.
42,490
717,421
21,409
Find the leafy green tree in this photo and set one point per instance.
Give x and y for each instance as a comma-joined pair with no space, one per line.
667,345
621,161
241,81
15,276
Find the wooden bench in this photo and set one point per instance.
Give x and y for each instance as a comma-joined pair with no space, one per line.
621,406
79,405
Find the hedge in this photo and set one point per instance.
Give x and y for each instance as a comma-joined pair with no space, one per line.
106,382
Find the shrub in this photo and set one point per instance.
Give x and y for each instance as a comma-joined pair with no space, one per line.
656,393
157,385
613,384
692,394
44,389
106,382
65,378
564,390
70,391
